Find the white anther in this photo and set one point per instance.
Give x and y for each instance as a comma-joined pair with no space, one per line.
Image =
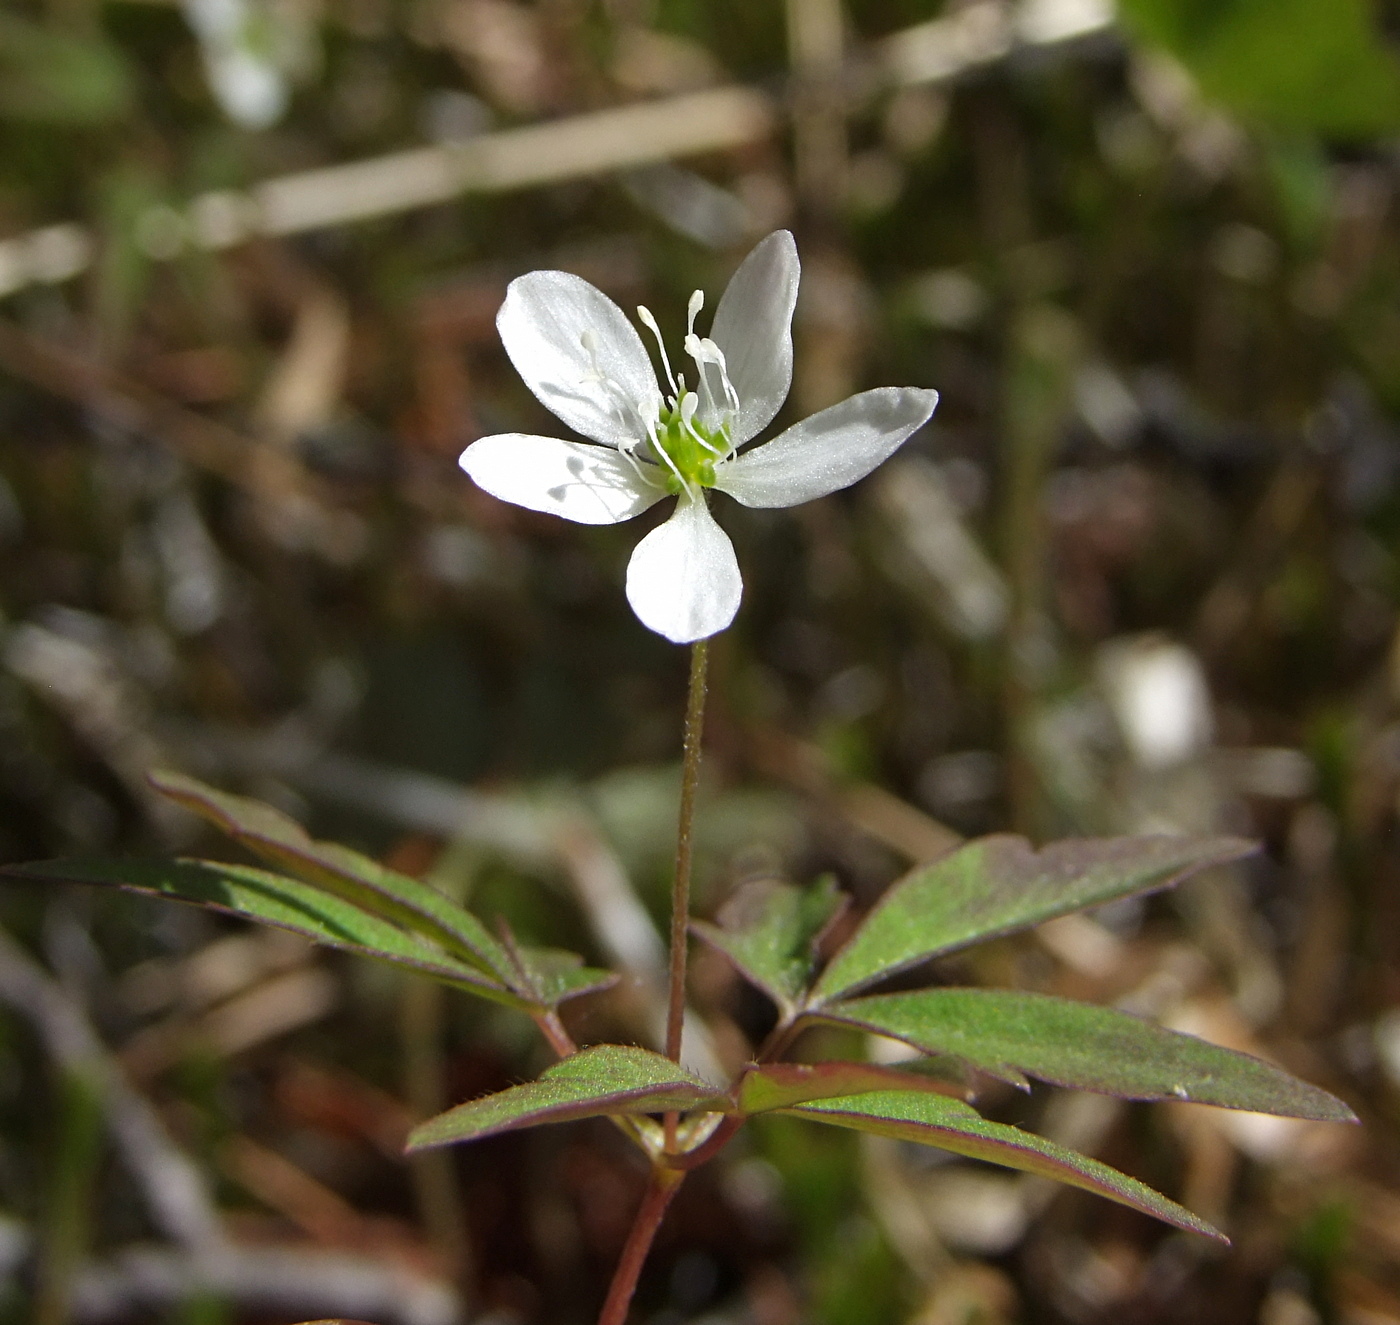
697,302
705,352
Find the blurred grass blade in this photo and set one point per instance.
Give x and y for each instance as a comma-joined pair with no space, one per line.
782,1085
934,1120
1085,1047
272,899
70,1196
1000,884
770,931
607,1079
283,842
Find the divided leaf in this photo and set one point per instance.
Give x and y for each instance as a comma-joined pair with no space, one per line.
284,843
1000,884
273,899
607,1079
770,931
1084,1047
783,1085
552,975
934,1120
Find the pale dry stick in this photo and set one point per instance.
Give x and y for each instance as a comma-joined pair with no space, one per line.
577,147
180,1202
277,1283
182,1206
628,936
873,810
596,143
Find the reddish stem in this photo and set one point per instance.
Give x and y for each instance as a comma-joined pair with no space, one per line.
553,1030
680,888
661,1188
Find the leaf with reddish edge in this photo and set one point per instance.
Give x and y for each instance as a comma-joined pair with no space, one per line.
782,1085
552,975
935,1120
1084,1047
1000,884
606,1079
770,931
284,843
273,899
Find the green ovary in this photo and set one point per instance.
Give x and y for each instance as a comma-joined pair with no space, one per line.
694,460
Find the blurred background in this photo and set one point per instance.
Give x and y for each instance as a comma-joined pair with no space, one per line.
1139,574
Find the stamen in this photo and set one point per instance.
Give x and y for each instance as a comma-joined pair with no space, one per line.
688,407
666,456
649,322
628,453
707,354
730,393
697,302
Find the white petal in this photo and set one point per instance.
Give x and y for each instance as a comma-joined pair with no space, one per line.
829,451
590,484
543,325
683,579
753,326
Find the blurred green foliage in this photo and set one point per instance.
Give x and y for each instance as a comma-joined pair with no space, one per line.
60,77
1288,64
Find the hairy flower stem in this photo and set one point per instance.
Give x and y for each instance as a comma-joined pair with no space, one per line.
662,1187
680,889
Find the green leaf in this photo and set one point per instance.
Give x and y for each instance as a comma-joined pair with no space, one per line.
770,932
607,1079
273,899
934,1120
1085,1047
1000,884
1295,64
552,976
283,842
782,1085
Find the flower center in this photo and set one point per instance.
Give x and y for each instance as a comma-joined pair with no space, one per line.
687,446
691,447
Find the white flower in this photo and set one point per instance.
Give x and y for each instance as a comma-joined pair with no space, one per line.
579,354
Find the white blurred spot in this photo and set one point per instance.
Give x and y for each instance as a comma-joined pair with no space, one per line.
936,545
978,1212
1045,22
949,298
252,50
1159,697
223,219
161,233
1106,405
1244,253
453,116
1386,1036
